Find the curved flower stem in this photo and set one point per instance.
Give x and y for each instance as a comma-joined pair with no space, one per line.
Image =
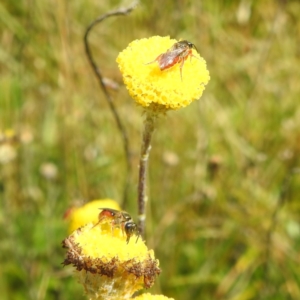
119,12
149,125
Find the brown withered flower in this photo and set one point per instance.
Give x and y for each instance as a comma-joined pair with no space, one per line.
108,267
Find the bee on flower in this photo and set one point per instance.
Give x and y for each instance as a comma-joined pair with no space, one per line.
118,219
178,53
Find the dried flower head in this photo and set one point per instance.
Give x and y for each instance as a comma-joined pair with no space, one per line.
160,89
106,265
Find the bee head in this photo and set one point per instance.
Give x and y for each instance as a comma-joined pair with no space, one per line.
130,229
191,45
188,44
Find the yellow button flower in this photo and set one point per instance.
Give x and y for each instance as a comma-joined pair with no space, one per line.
160,89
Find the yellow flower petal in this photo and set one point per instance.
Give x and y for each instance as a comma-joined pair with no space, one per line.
149,86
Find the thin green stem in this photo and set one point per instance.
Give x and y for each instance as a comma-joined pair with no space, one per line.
149,125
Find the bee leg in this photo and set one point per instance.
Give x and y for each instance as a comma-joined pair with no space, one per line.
100,219
155,60
181,66
96,224
151,62
113,226
192,55
138,235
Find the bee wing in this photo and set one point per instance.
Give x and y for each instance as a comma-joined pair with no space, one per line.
169,58
109,209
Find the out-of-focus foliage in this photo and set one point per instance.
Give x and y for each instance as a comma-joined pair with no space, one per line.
223,211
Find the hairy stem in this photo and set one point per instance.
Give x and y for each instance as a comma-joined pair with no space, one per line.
149,125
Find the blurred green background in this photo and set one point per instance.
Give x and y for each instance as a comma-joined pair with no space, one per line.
223,211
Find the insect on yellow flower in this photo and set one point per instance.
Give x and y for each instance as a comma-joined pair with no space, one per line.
178,53
161,88
120,219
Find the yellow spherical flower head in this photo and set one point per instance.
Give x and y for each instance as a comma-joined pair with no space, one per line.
163,89
79,216
108,264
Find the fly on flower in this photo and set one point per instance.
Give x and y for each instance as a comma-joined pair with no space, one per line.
178,53
119,219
